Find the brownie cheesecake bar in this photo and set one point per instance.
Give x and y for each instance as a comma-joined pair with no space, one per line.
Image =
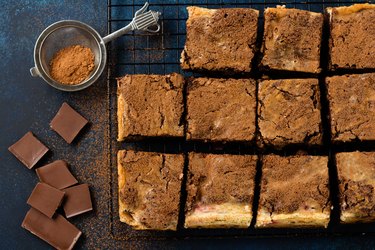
150,106
149,189
220,39
292,40
220,190
356,174
352,37
221,109
352,107
294,192
289,112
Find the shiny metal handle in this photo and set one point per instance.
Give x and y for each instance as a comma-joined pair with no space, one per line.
142,21
34,72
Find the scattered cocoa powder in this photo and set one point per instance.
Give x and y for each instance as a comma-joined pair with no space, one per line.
72,65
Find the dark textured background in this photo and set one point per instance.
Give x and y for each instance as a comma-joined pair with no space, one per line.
28,103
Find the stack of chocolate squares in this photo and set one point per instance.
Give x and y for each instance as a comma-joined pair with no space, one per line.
57,186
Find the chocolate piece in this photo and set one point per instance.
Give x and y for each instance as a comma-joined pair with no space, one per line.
220,39
356,173
292,40
29,150
67,123
58,232
352,107
77,200
221,109
220,190
46,199
56,174
150,106
294,192
289,112
352,37
149,189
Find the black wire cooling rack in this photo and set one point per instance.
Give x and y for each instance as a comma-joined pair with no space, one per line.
140,53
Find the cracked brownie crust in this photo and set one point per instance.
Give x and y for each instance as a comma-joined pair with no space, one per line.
352,39
150,105
294,192
289,112
356,173
220,190
292,40
352,107
221,109
149,189
220,39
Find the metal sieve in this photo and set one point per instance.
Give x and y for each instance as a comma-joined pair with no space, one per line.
70,32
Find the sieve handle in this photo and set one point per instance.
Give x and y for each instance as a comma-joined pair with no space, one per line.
142,21
117,33
34,72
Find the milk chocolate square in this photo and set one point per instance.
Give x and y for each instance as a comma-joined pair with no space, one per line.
46,199
67,123
58,232
77,201
29,150
56,174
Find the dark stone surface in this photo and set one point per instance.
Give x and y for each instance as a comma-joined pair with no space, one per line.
28,103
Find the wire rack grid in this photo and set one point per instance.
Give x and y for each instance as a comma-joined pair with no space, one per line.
141,53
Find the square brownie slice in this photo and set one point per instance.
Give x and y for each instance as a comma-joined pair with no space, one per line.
149,189
352,37
292,40
289,112
150,106
356,173
220,39
220,190
352,107
221,109
294,192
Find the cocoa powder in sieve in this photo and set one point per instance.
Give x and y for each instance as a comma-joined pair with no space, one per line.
72,65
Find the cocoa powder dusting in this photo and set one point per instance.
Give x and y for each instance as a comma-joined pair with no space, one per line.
72,65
